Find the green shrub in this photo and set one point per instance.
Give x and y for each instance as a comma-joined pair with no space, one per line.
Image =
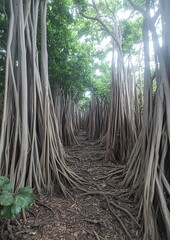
11,204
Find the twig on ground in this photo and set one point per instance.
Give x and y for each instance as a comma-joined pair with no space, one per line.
96,235
94,221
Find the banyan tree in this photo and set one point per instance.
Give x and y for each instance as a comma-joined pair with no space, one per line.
148,167
31,152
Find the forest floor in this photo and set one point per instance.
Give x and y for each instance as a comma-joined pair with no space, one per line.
81,216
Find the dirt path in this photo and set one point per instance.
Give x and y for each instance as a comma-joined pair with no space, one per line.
82,217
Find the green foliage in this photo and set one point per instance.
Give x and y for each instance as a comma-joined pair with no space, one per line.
82,4
74,44
11,204
101,47
68,58
102,81
131,34
84,102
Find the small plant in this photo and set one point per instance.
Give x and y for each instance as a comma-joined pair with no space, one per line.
11,204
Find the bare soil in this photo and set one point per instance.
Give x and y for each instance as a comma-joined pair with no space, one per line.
84,215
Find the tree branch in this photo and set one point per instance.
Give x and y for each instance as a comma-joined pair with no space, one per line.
137,7
104,26
107,6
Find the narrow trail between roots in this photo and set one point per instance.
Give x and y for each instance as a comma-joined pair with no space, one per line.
83,216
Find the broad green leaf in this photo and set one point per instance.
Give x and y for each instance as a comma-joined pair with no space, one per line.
6,187
19,200
6,199
15,209
6,212
28,201
24,200
4,180
25,190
